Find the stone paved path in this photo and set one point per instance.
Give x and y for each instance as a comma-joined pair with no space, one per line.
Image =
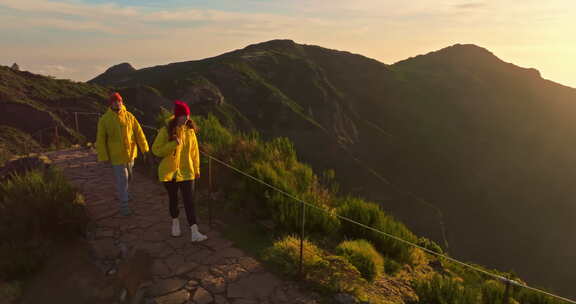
155,267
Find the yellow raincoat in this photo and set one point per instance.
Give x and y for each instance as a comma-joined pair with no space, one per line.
117,137
179,161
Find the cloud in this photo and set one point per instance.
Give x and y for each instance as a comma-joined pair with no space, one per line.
58,68
47,22
112,19
69,8
470,5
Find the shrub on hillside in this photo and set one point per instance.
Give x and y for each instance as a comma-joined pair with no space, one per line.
212,135
325,273
430,245
531,297
299,181
275,163
492,292
371,215
447,289
37,208
363,256
285,254
444,290
5,155
391,267
16,142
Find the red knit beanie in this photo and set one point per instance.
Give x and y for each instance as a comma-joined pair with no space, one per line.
181,108
115,97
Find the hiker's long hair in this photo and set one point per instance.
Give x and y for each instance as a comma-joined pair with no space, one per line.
172,127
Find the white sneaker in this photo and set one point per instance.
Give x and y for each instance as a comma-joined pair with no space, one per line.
196,235
176,227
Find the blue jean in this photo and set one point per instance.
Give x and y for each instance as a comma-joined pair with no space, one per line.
123,175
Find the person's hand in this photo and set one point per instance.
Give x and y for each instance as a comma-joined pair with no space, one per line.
146,157
197,176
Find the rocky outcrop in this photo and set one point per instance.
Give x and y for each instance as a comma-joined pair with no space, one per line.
200,91
115,74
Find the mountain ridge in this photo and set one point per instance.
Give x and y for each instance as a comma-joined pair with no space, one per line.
470,135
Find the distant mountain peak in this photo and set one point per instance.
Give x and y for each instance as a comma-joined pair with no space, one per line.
458,54
121,68
466,46
276,44
473,54
114,74
466,49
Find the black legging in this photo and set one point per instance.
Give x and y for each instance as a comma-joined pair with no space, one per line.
187,189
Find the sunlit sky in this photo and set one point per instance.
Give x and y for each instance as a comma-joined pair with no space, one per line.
78,39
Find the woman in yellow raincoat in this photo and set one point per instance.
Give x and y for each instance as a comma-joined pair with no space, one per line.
177,145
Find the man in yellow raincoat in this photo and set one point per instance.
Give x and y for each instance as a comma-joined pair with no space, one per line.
119,134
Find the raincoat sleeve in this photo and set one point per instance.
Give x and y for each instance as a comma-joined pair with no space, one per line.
140,137
101,147
195,154
162,147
